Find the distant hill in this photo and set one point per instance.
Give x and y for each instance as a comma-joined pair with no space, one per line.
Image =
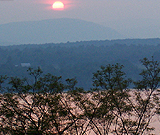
78,59
54,30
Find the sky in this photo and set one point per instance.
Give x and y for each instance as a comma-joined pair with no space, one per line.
132,18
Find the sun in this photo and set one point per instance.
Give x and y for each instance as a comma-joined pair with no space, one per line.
58,5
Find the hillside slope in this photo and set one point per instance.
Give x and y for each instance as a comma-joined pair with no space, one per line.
54,30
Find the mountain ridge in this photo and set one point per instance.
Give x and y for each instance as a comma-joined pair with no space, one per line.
54,30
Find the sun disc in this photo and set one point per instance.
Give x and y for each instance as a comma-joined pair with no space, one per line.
58,5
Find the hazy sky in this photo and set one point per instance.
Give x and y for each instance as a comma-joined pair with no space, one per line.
133,18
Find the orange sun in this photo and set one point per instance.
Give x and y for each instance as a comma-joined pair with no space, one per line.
58,5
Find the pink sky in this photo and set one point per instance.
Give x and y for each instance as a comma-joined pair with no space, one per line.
121,15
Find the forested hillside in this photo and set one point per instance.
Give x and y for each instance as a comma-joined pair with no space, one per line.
78,59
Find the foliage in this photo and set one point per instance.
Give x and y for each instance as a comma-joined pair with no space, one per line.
78,59
3,78
39,108
110,77
46,106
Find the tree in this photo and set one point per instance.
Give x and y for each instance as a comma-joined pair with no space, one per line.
130,111
46,111
146,103
46,114
112,99
48,106
2,80
111,77
36,74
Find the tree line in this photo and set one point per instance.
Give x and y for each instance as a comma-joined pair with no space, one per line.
45,105
78,59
